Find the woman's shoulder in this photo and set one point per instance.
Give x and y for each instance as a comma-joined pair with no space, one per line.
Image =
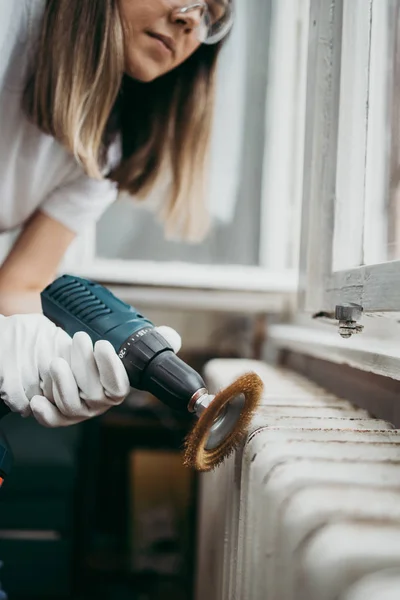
19,31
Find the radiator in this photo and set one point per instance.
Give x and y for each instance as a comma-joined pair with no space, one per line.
309,507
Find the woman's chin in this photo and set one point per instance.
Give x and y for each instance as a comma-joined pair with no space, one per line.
144,70
140,78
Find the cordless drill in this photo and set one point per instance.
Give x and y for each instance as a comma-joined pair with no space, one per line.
76,304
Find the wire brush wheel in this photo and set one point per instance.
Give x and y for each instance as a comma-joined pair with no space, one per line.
196,454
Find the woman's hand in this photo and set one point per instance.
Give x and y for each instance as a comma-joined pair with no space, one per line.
61,381
28,345
93,381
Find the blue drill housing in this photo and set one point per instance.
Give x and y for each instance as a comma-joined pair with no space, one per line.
76,304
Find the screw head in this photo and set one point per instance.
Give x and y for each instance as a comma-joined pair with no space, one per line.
348,312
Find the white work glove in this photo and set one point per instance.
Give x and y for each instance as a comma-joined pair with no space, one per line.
61,381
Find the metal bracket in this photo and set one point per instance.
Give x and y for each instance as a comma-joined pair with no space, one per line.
348,316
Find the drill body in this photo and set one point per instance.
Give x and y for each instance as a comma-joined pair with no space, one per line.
76,304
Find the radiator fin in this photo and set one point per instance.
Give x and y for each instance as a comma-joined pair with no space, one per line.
309,508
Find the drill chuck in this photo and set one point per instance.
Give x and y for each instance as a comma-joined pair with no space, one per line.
153,366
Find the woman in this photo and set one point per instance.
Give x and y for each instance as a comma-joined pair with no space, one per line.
96,98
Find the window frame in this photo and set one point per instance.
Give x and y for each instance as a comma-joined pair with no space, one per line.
375,287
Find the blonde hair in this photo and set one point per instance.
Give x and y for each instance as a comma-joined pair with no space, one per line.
78,93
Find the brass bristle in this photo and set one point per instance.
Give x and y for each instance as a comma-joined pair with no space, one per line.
195,454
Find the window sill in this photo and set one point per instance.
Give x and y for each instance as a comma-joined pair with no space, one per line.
365,352
188,275
187,299
233,289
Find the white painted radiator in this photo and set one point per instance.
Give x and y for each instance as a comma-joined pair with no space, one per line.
309,508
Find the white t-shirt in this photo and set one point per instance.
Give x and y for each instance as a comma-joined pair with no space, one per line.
35,170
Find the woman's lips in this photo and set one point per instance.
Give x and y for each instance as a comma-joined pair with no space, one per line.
167,42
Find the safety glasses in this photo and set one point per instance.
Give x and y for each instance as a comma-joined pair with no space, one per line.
216,19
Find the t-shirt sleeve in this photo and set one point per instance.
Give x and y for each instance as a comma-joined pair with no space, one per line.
80,202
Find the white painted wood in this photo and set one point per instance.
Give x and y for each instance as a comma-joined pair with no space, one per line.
378,355
353,207
375,287
320,151
210,300
352,136
285,121
379,126
172,274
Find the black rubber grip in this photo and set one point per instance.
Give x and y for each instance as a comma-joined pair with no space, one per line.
172,381
139,350
152,365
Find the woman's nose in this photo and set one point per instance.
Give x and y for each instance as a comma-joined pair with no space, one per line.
190,17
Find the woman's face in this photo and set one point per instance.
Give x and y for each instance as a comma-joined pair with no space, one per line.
157,37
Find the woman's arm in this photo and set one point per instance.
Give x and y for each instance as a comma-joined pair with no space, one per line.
32,264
